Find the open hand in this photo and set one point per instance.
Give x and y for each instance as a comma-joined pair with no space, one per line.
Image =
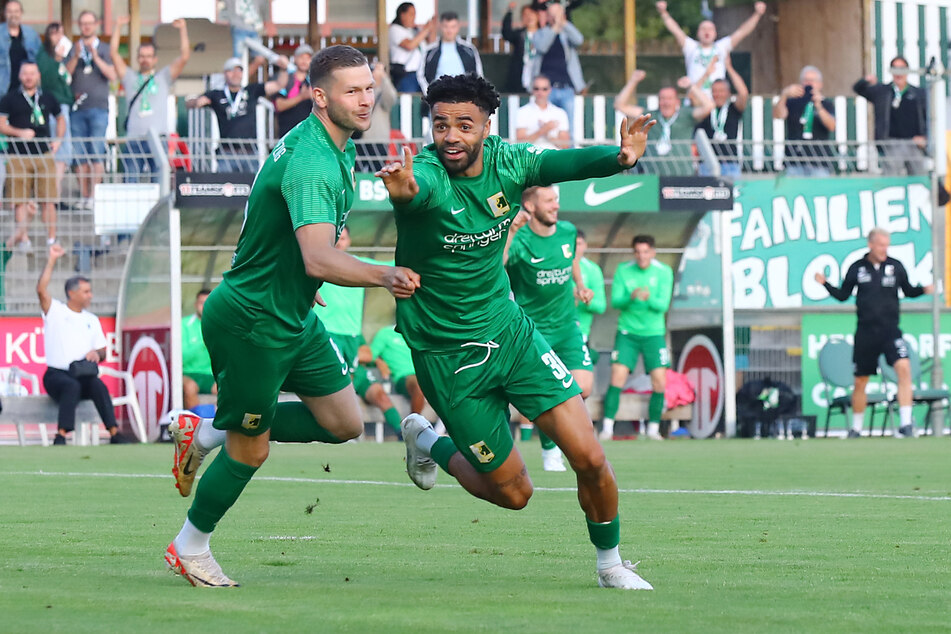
634,139
399,179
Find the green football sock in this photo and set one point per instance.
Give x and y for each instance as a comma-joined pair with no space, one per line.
525,433
293,422
442,451
612,399
218,490
393,419
547,443
605,536
655,407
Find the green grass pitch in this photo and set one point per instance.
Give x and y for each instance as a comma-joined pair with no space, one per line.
736,536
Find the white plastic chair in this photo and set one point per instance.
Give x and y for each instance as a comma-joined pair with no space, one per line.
131,399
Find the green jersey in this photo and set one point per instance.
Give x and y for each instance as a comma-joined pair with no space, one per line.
453,234
305,180
539,268
642,317
390,346
195,359
593,279
343,314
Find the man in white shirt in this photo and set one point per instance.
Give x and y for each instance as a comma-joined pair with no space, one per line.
71,333
699,53
541,122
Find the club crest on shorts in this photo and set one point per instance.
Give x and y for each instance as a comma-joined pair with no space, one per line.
482,452
498,204
251,421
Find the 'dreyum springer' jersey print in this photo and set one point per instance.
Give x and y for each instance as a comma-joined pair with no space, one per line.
453,234
539,268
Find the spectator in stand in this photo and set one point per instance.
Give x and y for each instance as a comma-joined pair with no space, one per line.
373,146
557,45
197,377
720,120
294,102
75,345
522,62
901,119
541,123
249,19
146,94
18,43
90,65
406,56
669,150
237,123
699,53
55,80
451,55
25,114
809,121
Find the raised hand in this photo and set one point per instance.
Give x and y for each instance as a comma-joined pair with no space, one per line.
521,219
122,20
56,251
399,179
179,23
634,139
759,8
661,7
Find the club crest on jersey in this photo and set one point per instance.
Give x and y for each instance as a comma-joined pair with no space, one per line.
498,204
566,249
482,453
353,177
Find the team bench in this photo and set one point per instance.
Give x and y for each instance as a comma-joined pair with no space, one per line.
34,413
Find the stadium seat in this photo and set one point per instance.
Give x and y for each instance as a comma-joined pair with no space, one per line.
835,367
924,396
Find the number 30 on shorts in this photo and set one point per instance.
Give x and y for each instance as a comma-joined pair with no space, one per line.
558,368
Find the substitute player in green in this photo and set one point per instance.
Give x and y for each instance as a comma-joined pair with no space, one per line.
641,291
474,349
342,316
197,377
593,279
395,362
258,325
545,273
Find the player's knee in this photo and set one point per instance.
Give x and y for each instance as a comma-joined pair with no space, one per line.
516,499
588,463
349,429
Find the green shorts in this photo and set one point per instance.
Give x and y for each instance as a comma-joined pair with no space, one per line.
627,347
568,343
471,389
204,381
399,385
349,348
251,377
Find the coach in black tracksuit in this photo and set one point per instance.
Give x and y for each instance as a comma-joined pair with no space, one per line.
878,278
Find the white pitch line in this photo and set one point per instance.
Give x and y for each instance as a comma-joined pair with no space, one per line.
752,492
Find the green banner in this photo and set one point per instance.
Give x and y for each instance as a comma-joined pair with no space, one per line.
818,328
785,230
622,192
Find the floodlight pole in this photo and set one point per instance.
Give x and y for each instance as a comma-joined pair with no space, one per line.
937,80
729,337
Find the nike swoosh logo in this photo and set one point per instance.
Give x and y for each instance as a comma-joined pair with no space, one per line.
537,260
187,469
594,198
457,211
567,384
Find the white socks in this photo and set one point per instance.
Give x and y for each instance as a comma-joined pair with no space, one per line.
607,426
191,541
858,421
208,437
653,429
426,439
904,415
608,558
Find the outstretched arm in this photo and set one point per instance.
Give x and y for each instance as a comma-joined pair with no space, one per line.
117,60
671,24
622,103
747,27
742,92
184,49
848,283
42,286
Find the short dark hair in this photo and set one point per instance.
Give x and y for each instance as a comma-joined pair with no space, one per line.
87,12
448,16
898,58
203,291
468,88
73,283
581,234
643,238
148,45
330,59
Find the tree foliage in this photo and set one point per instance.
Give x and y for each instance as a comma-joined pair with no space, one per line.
603,20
